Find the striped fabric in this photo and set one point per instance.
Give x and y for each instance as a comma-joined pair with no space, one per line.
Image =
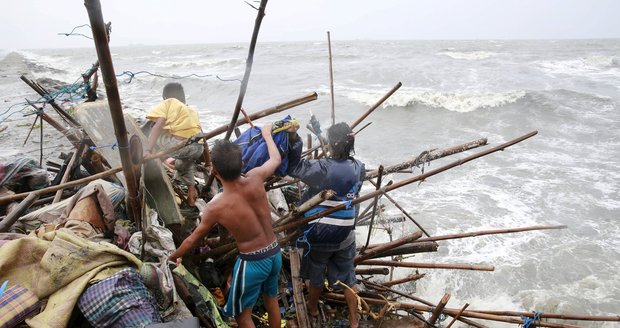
16,304
119,301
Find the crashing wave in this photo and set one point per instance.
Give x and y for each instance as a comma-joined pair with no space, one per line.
462,101
469,55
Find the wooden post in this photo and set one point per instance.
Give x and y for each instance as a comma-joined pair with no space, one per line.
248,69
109,77
331,78
439,308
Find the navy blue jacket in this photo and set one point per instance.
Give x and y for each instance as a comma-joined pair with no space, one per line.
345,177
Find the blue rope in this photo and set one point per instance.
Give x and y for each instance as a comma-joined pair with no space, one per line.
113,146
530,322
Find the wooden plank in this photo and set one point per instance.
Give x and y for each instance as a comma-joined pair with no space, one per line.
96,120
303,320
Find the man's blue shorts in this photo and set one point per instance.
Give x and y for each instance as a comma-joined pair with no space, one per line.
252,278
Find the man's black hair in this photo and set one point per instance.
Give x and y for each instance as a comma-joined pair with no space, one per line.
226,158
174,90
341,140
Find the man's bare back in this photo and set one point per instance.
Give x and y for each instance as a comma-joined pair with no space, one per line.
243,209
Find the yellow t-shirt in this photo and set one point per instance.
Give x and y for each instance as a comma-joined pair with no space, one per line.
181,121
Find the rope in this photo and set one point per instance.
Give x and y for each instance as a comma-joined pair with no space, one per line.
531,322
113,146
131,75
78,34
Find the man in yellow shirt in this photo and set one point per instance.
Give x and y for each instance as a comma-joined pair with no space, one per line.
175,122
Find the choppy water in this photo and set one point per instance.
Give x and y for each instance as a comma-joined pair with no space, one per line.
453,92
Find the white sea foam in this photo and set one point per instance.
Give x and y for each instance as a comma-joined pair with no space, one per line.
461,101
468,55
582,66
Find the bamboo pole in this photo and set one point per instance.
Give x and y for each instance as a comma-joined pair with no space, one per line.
458,266
429,155
43,93
411,248
376,105
408,181
543,315
414,277
491,232
372,271
331,78
248,69
100,37
260,114
374,207
402,210
68,171
306,206
439,308
457,315
12,217
298,293
368,112
372,252
40,192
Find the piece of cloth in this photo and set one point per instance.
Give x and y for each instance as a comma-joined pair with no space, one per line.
345,178
59,266
159,242
251,279
16,304
181,120
121,300
91,204
184,157
254,152
51,213
339,265
158,278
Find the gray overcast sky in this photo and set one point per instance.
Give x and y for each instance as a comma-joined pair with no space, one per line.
36,23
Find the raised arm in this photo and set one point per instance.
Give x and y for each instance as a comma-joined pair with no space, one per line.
269,167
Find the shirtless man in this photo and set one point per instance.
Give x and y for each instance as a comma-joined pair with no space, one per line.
243,209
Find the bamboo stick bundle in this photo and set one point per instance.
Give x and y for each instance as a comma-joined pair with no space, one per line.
410,248
373,252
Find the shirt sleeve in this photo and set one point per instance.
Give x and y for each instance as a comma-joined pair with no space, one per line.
159,110
310,172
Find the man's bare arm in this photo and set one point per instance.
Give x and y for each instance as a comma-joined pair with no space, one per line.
269,167
155,133
206,223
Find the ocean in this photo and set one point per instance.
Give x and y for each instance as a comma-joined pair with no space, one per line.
453,92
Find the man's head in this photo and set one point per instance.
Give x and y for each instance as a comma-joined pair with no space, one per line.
226,159
341,140
174,90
